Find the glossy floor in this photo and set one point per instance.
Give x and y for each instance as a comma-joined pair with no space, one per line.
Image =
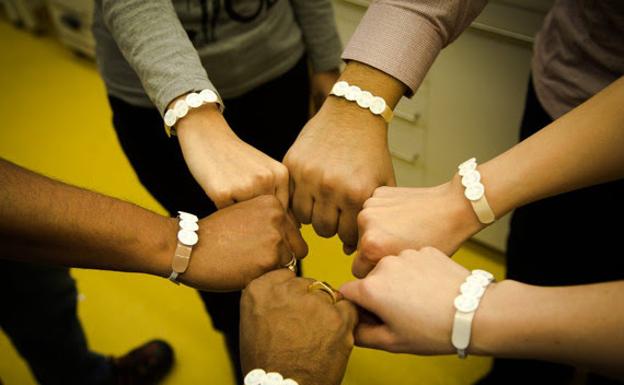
55,120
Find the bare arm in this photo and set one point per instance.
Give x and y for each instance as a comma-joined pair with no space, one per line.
412,296
582,148
45,221
42,220
578,325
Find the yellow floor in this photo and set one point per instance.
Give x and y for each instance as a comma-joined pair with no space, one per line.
55,120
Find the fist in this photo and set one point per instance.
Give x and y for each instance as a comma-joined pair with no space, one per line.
302,335
335,164
240,243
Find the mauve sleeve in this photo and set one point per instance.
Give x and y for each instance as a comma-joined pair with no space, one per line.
403,37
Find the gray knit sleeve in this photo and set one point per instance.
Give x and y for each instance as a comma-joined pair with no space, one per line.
153,41
317,23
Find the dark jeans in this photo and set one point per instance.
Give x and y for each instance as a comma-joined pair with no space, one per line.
269,118
568,239
39,315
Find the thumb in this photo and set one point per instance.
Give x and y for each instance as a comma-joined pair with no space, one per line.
374,336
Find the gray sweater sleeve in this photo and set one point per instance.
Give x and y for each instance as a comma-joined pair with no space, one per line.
317,23
151,38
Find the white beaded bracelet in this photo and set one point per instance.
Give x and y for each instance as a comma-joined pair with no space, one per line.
466,305
375,104
187,238
182,107
260,377
475,191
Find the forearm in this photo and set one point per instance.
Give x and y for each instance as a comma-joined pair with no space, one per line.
153,41
582,148
45,221
578,325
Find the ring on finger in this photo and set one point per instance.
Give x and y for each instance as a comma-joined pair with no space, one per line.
292,264
326,288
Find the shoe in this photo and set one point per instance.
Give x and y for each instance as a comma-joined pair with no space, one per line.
146,365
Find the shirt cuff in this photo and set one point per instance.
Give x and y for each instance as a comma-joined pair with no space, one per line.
401,44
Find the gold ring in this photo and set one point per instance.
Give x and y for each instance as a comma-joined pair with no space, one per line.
292,265
327,289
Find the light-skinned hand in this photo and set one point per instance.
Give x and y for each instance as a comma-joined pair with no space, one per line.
399,218
228,169
411,299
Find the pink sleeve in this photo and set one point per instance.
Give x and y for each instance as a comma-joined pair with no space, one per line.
403,37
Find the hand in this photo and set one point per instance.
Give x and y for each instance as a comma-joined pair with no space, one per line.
321,84
411,296
301,335
228,169
240,243
395,219
336,163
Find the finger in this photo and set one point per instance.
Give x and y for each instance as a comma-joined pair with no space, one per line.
324,218
293,219
348,230
361,266
302,204
285,254
295,240
222,201
348,312
374,336
282,186
299,285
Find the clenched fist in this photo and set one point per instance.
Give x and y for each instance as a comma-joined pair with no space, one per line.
301,335
240,243
335,164
228,169
399,218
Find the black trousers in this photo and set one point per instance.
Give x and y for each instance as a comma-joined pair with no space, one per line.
269,118
568,239
39,315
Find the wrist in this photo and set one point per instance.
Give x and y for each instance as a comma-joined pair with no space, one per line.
206,118
496,330
462,212
160,247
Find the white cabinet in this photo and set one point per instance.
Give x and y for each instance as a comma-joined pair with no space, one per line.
470,103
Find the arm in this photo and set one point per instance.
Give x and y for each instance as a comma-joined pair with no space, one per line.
151,38
342,155
578,325
582,148
45,221
323,46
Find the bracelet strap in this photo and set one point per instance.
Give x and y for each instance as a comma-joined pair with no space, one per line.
475,191
187,238
466,304
375,104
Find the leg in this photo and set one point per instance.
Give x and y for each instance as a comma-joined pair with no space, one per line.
43,325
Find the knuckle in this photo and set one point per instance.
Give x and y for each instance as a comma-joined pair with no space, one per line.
381,190
371,247
355,195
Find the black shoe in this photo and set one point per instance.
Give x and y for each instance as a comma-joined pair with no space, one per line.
146,365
